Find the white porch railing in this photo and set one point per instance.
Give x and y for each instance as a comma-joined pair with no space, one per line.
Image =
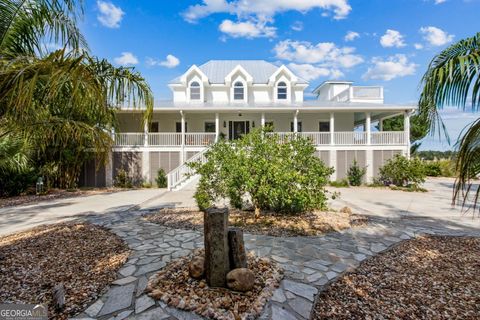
164,139
129,139
183,172
350,138
199,139
205,139
388,138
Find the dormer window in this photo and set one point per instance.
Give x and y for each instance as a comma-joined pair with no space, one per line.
282,91
194,91
238,91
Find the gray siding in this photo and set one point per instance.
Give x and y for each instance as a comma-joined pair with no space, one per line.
92,175
165,160
345,159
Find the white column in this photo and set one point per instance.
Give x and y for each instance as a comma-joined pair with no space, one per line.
182,152
369,163
380,124
145,131
368,126
295,122
406,130
263,120
217,127
332,128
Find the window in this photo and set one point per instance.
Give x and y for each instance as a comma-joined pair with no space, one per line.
299,126
282,91
324,126
209,126
195,91
153,127
178,127
238,91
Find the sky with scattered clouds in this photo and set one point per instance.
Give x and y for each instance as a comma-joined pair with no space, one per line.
370,42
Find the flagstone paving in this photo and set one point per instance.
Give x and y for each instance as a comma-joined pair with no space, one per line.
310,263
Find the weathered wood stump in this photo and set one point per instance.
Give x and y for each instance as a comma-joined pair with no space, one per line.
59,296
216,246
236,249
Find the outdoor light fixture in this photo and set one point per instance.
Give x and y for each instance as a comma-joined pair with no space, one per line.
253,124
224,124
239,114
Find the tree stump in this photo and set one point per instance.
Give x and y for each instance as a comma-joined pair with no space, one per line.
59,296
236,249
216,246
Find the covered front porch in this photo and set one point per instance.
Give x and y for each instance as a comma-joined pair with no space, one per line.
197,129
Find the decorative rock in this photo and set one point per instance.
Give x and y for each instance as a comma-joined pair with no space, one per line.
216,246
240,279
236,249
59,296
196,268
346,210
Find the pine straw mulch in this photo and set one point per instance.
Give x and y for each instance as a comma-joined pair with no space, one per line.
430,277
52,194
82,256
175,287
308,224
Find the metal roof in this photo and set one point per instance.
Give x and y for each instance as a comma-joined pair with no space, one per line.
217,70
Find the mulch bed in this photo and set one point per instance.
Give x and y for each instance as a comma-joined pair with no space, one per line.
51,195
82,256
309,224
429,277
175,287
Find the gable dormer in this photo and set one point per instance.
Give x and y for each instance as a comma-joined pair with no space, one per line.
239,81
194,82
283,83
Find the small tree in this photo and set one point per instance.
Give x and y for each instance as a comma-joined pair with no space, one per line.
355,174
161,178
284,177
403,172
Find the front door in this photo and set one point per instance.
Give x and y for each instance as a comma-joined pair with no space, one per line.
238,128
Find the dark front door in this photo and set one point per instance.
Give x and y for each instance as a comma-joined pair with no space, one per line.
238,128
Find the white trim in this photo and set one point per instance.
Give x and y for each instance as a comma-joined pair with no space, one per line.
245,90
240,69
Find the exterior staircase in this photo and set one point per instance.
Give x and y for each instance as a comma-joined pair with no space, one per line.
183,175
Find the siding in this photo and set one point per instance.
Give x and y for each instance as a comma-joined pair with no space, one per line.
345,159
92,175
165,160
380,157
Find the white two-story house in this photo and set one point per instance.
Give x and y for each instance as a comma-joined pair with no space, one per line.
225,99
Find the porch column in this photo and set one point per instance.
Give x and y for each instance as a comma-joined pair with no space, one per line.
332,128
182,152
406,130
380,124
217,127
295,122
263,120
145,132
368,126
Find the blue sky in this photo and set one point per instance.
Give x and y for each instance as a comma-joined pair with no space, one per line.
385,42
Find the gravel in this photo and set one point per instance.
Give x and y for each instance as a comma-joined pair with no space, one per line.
308,224
430,277
175,287
84,257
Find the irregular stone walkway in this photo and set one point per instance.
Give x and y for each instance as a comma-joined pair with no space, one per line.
310,263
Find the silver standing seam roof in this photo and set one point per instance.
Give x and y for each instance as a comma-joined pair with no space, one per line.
217,70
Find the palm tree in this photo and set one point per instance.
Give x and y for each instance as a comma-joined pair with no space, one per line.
453,79
63,98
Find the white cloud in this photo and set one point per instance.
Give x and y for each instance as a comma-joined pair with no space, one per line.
110,15
126,59
324,53
351,35
440,1
393,67
170,62
297,26
248,29
418,46
392,38
311,72
436,36
265,8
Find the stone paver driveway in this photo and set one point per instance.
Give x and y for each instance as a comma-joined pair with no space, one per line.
310,263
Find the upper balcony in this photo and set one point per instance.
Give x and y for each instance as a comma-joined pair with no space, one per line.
345,91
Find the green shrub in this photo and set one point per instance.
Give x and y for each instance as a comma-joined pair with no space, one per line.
123,180
161,179
403,172
283,177
355,174
343,183
432,169
447,167
15,183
